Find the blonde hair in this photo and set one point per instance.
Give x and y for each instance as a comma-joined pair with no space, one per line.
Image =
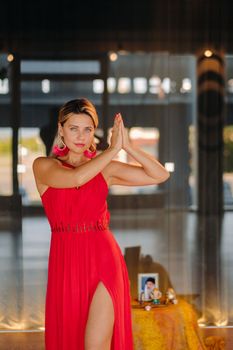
77,106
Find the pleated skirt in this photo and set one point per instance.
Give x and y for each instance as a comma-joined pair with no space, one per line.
77,263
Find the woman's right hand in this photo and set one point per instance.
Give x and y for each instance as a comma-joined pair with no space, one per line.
116,137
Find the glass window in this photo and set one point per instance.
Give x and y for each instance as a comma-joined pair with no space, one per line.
157,91
6,161
57,92
5,129
30,147
60,67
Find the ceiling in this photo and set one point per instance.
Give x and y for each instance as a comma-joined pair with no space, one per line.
72,27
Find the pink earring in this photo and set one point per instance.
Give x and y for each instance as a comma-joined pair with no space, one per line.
89,154
60,151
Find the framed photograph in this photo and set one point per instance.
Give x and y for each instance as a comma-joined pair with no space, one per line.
146,284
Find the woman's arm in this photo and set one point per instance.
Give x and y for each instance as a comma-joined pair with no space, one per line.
48,171
132,175
150,171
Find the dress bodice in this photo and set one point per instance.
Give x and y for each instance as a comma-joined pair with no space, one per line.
69,207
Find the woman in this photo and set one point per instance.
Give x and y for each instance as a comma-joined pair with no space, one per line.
88,297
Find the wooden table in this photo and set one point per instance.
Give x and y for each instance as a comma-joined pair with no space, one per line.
172,327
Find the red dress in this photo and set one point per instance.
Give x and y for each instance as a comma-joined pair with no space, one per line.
83,252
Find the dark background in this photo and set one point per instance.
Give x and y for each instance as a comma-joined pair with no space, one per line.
77,26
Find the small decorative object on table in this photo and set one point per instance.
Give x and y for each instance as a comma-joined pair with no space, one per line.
170,296
142,298
147,307
146,284
155,300
156,295
149,295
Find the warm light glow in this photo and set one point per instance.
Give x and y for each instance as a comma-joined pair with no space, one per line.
201,324
98,86
41,328
170,166
45,86
143,133
186,85
140,85
124,85
21,168
111,84
113,56
154,85
221,323
4,86
23,151
166,85
10,57
208,53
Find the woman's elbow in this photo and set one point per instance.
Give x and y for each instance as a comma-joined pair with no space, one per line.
164,177
167,175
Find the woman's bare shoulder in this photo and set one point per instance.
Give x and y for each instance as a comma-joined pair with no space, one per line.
42,163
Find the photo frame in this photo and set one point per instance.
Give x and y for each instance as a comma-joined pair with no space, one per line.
152,281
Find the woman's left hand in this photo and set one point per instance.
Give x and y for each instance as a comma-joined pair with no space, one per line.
125,136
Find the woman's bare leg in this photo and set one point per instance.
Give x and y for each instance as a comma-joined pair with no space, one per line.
99,327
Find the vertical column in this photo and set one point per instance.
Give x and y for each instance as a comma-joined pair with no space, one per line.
105,96
15,201
210,72
15,118
173,146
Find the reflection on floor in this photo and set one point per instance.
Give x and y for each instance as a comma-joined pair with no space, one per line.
22,341
192,255
35,340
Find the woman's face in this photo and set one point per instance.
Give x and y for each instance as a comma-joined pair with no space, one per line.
78,132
